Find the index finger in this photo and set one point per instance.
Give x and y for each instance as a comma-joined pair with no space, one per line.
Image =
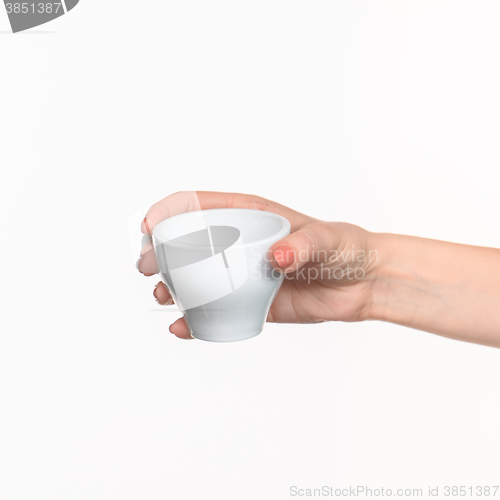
189,201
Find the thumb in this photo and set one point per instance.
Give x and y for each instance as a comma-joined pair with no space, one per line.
312,243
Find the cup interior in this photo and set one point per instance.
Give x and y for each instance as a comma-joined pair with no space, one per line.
225,226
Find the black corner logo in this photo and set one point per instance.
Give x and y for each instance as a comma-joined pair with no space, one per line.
26,15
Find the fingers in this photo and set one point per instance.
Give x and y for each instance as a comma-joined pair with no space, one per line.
147,262
162,295
180,329
188,201
174,204
313,243
210,199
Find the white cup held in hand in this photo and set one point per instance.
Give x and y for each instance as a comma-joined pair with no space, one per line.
216,266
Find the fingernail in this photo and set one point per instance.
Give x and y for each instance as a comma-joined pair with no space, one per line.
284,256
137,263
145,226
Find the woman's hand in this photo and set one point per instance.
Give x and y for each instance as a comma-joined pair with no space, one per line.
338,271
329,266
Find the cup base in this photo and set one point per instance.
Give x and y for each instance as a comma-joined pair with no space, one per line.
224,338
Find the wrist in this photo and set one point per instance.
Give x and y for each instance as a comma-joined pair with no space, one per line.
436,286
395,288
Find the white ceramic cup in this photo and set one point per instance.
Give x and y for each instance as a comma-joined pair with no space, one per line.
215,263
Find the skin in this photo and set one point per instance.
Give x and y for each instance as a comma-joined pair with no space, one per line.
336,271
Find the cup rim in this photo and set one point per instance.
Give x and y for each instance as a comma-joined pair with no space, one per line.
278,235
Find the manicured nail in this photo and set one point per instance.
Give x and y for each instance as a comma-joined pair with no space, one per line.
284,256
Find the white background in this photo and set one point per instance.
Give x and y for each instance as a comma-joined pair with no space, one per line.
384,114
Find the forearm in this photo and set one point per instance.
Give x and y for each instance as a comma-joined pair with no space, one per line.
440,287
